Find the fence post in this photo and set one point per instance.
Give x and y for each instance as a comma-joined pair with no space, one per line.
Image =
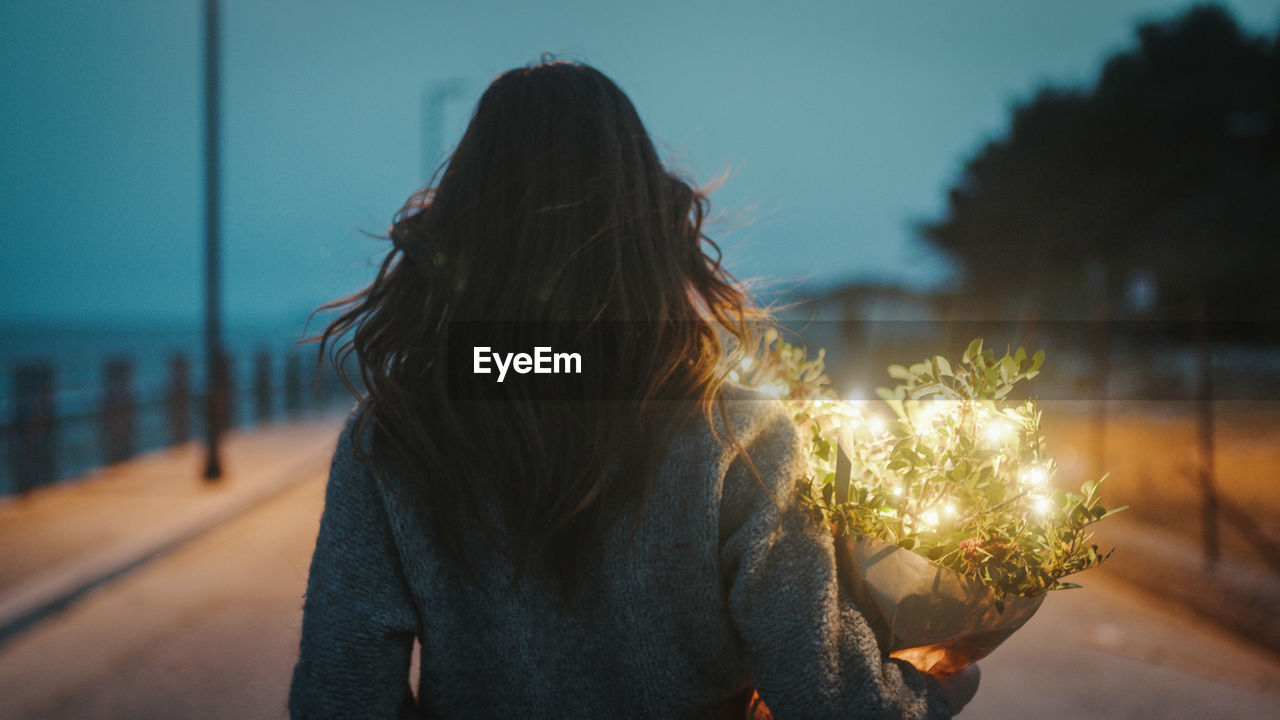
1099,298
1204,428
319,386
117,412
227,379
178,400
219,396
293,385
33,437
262,385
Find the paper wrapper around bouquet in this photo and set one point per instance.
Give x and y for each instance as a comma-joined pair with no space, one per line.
933,617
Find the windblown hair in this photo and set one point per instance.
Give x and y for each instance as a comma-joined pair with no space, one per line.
553,224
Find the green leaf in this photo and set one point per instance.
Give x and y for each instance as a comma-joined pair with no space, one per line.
994,536
973,351
941,368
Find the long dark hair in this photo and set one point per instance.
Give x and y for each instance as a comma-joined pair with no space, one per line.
554,224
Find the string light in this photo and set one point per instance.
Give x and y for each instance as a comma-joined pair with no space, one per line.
945,466
875,424
853,409
1034,475
996,432
925,417
929,412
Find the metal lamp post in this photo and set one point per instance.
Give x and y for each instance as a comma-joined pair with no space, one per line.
215,404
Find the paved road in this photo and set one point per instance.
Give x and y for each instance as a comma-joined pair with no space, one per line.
1108,651
210,631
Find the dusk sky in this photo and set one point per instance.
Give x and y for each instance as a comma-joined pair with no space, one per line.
840,123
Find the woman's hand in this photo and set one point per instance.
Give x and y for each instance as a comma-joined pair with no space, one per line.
961,687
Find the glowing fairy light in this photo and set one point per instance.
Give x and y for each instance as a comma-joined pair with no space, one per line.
876,425
1034,475
853,408
996,432
948,463
925,418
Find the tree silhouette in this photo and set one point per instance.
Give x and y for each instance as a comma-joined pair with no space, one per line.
1168,167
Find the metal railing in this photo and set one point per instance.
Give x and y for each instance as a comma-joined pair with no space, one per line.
47,435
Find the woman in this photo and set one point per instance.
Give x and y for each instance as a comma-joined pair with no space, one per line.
619,541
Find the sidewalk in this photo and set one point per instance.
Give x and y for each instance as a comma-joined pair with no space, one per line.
1239,596
60,542
64,540
210,631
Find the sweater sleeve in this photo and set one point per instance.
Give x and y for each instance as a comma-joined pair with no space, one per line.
807,647
358,619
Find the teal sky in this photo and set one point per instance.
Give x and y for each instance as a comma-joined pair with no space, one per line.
839,122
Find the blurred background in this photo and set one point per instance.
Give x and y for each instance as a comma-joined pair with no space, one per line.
184,182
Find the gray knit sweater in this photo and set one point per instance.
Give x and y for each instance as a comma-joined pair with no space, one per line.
724,583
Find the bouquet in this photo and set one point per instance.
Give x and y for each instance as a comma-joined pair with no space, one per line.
949,530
